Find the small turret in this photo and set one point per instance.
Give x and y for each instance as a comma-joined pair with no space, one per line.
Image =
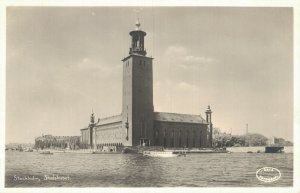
92,131
92,119
208,113
127,127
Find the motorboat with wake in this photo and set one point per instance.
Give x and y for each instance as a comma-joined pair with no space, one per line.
160,154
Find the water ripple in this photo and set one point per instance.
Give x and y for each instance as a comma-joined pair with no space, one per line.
128,170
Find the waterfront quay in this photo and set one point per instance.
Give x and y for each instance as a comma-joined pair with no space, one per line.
134,150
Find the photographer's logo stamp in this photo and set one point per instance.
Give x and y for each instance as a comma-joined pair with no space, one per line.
268,174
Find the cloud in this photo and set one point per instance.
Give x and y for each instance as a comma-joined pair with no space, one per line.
87,63
90,64
176,51
181,57
178,97
174,86
184,86
201,59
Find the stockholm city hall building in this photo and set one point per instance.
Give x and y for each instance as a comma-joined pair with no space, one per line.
138,124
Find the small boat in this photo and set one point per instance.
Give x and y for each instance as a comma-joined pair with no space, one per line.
46,152
274,149
202,150
105,152
159,154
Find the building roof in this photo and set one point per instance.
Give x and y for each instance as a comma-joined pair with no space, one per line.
175,117
108,120
55,137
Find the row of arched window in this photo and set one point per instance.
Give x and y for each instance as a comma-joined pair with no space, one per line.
99,146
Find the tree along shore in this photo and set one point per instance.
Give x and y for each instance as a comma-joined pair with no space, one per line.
223,139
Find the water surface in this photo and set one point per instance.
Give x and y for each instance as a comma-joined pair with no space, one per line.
133,170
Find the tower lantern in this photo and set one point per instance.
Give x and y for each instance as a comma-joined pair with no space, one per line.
137,40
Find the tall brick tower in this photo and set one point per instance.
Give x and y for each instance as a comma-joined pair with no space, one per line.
137,109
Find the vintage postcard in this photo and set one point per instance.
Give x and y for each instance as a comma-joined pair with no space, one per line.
144,97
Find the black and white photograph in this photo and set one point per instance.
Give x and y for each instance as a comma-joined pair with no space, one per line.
139,96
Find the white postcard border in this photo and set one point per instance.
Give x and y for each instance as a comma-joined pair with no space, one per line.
227,3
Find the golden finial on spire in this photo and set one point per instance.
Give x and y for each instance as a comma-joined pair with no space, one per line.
137,23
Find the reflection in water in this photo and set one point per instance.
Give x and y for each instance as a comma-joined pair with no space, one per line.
134,170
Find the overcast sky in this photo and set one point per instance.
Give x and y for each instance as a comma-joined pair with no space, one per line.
64,62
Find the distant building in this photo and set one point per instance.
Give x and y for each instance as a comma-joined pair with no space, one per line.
138,124
15,146
50,141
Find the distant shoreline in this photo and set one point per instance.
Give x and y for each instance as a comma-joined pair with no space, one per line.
254,149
